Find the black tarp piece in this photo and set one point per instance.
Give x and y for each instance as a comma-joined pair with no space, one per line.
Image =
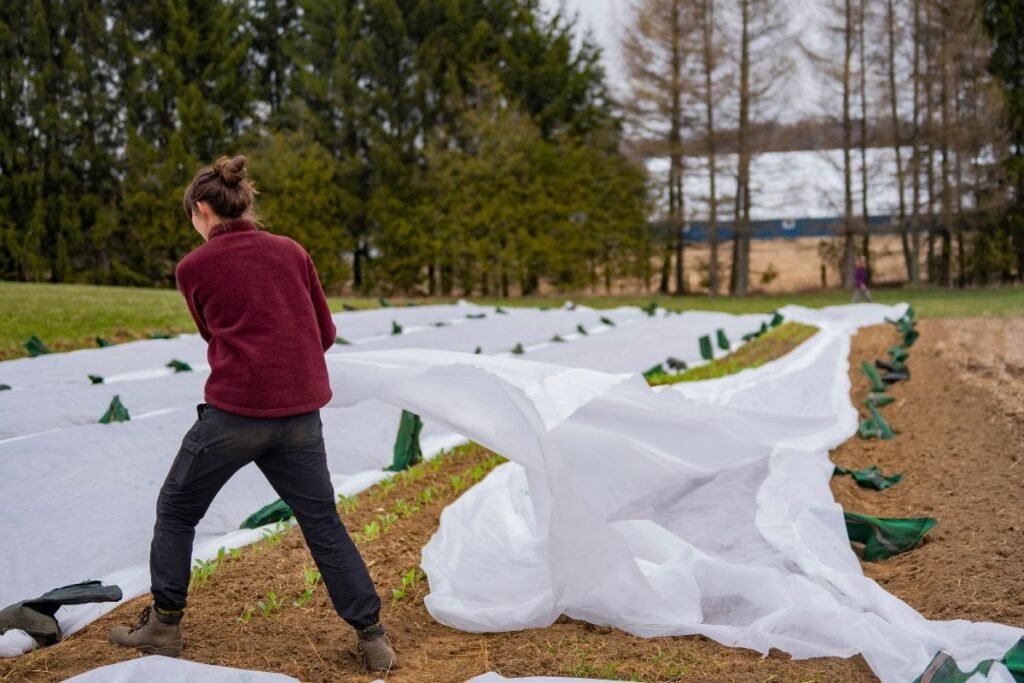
35,617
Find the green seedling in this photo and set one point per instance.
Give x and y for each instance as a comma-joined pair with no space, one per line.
236,553
311,576
403,509
348,504
201,572
582,330
518,349
458,483
426,496
246,615
396,595
370,532
273,537
303,597
271,604
387,520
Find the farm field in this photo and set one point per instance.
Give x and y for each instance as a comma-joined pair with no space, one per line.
960,431
72,316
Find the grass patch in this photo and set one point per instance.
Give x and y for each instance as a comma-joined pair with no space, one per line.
70,317
773,344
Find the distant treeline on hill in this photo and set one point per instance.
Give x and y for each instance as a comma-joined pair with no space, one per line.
463,146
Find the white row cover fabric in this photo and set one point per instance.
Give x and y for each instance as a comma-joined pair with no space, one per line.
157,669
695,509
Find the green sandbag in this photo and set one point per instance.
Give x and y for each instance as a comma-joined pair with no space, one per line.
476,316
36,347
341,341
103,343
179,366
557,339
478,351
407,444
883,538
608,321
777,319
116,412
943,668
875,427
877,385
441,324
870,477
658,369
518,349
348,307
879,400
5,387
723,341
395,328
909,338
750,336
278,511
384,303
159,335
95,379
899,354
650,309
500,311
582,330
705,348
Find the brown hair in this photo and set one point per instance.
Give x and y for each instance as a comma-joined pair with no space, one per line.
225,187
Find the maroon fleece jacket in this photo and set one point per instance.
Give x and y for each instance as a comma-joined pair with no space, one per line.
257,301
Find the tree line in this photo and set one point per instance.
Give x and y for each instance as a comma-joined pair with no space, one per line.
449,147
936,86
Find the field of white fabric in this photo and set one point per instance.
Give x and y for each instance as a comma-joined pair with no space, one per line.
700,508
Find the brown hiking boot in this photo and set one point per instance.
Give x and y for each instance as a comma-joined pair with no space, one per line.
374,645
150,635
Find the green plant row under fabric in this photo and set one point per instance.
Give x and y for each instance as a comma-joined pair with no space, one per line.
883,538
870,477
774,344
116,412
943,668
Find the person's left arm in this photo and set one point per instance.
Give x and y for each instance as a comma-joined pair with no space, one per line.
328,331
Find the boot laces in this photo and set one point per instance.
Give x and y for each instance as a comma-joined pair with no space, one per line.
143,619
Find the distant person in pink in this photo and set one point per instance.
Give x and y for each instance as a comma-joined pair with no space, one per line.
860,281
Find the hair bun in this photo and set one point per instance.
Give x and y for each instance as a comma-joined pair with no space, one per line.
231,171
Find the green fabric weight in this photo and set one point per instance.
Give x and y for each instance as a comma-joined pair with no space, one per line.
877,385
879,400
179,366
658,369
518,349
723,341
943,668
36,347
348,307
116,412
870,477
384,303
706,351
95,379
395,328
883,538
407,444
909,338
160,335
875,427
278,511
500,311
341,341
899,354
608,321
557,339
650,309
582,330
102,343
777,319
476,316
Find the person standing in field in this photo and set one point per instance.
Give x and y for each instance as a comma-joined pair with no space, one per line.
860,281
257,301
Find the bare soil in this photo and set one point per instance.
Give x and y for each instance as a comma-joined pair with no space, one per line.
958,452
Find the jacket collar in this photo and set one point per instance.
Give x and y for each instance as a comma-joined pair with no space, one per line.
232,225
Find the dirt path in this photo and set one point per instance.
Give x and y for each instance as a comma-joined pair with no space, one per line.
956,449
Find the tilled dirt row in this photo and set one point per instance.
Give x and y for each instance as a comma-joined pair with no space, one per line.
959,464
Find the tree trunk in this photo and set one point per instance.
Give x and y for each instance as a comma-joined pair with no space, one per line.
865,213
848,224
708,19
741,252
676,216
897,139
914,272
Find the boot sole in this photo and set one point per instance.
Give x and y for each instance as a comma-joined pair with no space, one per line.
169,651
